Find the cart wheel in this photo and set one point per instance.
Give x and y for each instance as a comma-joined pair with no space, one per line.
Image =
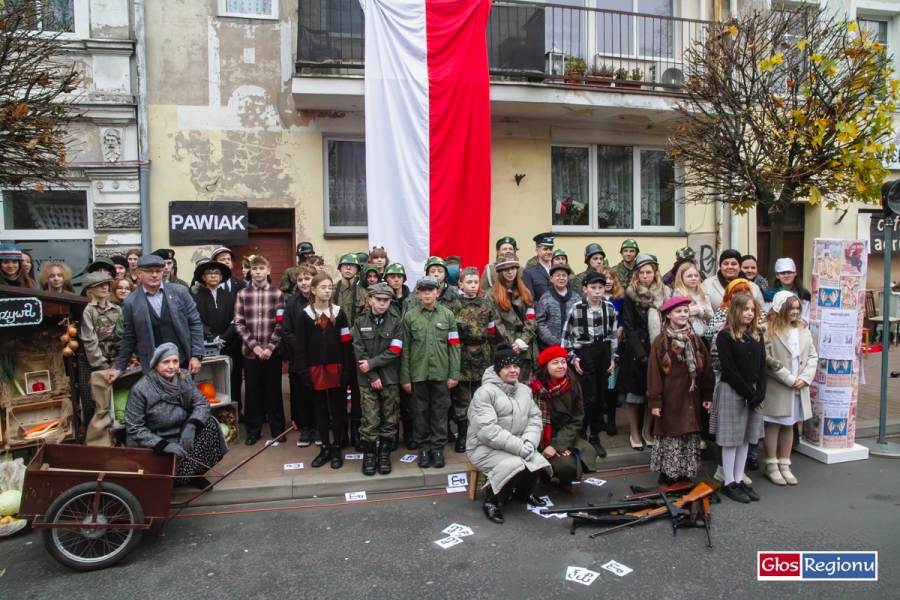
87,548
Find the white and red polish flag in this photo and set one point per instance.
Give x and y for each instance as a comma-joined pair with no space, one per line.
428,130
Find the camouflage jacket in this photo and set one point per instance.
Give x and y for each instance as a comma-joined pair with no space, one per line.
518,323
575,283
449,297
380,343
623,273
98,333
351,299
531,262
476,321
288,283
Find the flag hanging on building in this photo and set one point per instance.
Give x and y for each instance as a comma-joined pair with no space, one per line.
428,130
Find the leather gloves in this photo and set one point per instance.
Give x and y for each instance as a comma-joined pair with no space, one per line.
187,437
173,448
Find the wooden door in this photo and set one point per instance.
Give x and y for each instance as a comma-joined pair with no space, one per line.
795,223
273,237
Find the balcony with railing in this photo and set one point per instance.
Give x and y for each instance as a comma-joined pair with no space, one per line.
535,42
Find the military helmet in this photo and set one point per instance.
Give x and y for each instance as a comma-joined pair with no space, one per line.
395,269
560,252
435,260
630,243
592,249
349,259
686,253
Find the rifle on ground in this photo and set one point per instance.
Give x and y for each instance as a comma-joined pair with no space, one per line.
639,492
701,491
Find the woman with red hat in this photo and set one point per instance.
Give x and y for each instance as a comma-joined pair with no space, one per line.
558,394
679,382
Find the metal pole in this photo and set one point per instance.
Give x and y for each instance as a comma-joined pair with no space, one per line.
143,133
885,325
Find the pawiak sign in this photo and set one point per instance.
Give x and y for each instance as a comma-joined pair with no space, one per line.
197,222
20,311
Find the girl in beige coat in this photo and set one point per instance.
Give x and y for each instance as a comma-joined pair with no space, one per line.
791,369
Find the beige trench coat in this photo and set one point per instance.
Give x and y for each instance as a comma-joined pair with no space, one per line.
779,393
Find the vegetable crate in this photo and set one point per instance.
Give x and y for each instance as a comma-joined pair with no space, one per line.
217,371
20,419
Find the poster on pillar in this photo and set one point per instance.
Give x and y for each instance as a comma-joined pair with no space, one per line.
192,223
836,318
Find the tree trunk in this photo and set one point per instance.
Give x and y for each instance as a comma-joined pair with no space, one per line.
776,237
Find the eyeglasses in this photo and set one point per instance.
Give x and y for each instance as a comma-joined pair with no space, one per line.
153,271
211,272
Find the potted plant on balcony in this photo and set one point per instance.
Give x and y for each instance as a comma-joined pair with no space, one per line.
622,78
575,67
603,71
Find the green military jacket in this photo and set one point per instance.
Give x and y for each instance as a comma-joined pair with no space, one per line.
476,320
288,283
431,345
178,281
351,299
623,273
575,282
519,323
379,341
449,297
401,306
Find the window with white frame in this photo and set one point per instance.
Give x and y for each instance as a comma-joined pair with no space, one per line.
876,29
595,187
57,15
53,214
345,186
249,9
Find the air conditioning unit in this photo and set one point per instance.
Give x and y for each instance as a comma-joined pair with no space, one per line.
667,73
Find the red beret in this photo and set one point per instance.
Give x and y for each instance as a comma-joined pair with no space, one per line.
674,302
550,353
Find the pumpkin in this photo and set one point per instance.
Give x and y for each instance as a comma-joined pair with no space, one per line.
207,389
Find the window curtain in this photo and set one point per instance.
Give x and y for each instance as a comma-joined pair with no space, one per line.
657,193
60,16
615,187
249,7
570,185
347,184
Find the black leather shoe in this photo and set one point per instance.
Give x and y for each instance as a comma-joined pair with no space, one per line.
601,451
437,459
325,454
492,512
748,491
424,459
368,466
752,464
337,461
611,429
535,501
734,492
251,439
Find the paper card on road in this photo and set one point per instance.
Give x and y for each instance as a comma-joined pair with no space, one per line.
289,466
456,489
457,479
353,457
407,458
582,576
595,481
546,499
616,568
352,496
271,443
457,530
448,542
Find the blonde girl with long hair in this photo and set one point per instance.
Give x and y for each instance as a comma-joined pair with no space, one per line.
687,284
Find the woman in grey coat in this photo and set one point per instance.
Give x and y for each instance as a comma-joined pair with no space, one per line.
167,413
504,434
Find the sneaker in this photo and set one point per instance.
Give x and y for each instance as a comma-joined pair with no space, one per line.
316,438
734,492
305,438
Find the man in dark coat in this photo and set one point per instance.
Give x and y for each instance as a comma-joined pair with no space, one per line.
226,257
537,277
154,314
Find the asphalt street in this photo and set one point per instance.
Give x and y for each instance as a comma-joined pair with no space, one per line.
384,548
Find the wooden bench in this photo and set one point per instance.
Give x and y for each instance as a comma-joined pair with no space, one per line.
474,475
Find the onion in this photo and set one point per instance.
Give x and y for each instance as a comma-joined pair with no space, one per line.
67,351
73,331
64,338
73,344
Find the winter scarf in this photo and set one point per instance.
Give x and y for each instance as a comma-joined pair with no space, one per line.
544,394
683,348
651,299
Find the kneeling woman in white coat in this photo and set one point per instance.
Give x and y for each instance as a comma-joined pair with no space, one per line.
504,434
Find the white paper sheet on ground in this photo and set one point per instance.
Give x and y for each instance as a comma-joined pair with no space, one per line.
457,479
353,457
447,542
408,458
545,499
289,466
582,576
271,443
595,481
457,530
616,568
351,496
456,489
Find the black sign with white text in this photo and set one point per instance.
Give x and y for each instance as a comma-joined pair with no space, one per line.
196,222
876,235
20,311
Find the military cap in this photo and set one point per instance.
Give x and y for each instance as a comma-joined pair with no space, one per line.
594,277
506,240
592,249
380,289
645,259
165,253
686,253
544,239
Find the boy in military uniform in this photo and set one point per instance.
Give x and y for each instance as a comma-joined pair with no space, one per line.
378,343
403,300
504,245
559,257
537,248
288,284
595,259
448,294
168,256
351,297
429,369
98,323
624,269
476,320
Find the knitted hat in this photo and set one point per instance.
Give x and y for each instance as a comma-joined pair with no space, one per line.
726,254
120,261
504,356
785,265
163,351
380,290
630,243
550,353
150,260
506,240
674,302
94,279
780,298
505,261
10,252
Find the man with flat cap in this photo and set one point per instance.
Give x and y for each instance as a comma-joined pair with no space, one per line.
156,313
168,256
536,277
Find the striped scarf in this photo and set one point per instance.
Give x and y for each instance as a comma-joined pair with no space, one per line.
543,395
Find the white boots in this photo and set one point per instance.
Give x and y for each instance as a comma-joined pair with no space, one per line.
784,464
774,473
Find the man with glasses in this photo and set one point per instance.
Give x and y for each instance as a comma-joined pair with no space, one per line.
154,314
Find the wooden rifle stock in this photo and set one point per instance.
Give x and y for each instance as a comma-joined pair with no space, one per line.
703,490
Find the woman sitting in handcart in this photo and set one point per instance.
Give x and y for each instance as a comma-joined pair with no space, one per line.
167,413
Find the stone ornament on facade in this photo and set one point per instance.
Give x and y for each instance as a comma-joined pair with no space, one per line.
112,144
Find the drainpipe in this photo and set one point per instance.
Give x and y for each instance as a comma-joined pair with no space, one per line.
140,51
732,8
733,227
720,225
